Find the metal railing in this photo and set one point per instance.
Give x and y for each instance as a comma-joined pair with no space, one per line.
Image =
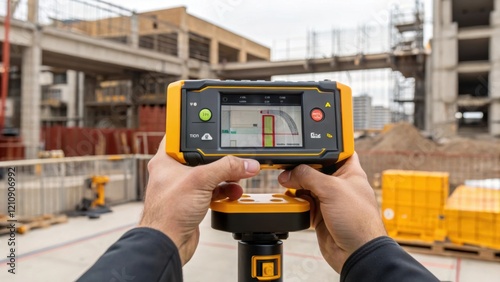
57,185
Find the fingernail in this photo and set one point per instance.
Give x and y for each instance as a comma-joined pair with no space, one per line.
284,176
252,166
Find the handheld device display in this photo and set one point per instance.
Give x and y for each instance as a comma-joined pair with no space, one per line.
280,124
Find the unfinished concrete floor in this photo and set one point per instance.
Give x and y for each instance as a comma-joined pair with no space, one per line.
63,252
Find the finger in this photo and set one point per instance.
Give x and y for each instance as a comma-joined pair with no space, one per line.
161,159
305,177
350,166
312,208
233,191
225,169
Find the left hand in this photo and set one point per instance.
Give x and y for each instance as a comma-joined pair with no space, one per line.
178,197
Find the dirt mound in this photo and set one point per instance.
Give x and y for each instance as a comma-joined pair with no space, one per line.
471,146
401,137
405,137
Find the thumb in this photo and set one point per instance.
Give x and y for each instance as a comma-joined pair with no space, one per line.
306,177
229,169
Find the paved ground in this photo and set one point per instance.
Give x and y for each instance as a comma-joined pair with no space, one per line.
63,252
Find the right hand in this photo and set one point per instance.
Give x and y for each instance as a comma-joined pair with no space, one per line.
344,210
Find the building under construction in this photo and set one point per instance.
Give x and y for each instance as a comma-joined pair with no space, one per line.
463,95
107,67
97,65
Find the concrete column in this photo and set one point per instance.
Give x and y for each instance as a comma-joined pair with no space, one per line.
444,62
446,12
90,85
71,99
134,30
214,52
494,121
132,117
31,97
242,54
33,11
437,25
494,79
428,94
81,95
183,44
495,15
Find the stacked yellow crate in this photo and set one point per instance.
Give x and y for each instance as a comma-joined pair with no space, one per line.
413,203
473,216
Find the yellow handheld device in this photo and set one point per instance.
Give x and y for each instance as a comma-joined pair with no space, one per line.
280,124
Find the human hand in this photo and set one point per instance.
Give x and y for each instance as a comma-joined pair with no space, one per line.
344,210
178,197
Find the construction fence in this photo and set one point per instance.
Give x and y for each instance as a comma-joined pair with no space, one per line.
57,185
52,186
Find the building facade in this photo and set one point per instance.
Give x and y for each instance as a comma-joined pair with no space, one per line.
465,68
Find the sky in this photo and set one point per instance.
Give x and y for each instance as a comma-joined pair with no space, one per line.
275,22
266,21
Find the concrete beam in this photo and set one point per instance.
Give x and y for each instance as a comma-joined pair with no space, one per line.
89,52
84,49
256,69
474,32
473,67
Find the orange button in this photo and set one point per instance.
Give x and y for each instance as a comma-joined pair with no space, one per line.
317,114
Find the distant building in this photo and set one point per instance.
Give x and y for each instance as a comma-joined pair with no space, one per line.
367,116
362,106
380,116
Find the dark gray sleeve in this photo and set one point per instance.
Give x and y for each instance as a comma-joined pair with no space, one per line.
141,254
382,259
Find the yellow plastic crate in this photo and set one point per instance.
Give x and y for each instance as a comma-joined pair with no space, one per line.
413,202
472,216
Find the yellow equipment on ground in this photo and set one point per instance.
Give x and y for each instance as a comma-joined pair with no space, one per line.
98,184
97,205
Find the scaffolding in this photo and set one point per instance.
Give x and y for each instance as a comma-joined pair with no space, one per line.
407,36
402,90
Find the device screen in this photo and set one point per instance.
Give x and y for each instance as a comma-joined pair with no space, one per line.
260,120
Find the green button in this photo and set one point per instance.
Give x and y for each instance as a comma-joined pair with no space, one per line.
205,115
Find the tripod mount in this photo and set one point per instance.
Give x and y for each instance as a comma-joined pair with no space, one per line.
260,222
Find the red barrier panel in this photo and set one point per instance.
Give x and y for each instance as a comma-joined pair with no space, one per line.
11,148
75,141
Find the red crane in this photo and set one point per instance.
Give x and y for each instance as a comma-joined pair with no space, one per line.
6,67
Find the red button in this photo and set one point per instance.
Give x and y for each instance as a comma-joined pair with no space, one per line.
317,114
